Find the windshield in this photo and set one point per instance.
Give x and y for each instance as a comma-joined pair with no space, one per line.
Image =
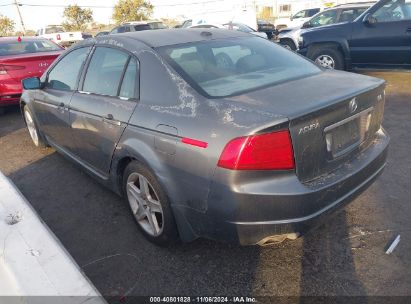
16,48
221,68
54,29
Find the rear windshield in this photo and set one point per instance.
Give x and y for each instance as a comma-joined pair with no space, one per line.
16,48
221,68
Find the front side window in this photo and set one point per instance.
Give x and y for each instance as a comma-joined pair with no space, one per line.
65,73
326,17
300,14
394,10
220,68
105,71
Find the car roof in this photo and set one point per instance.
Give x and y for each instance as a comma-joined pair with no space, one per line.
165,37
355,4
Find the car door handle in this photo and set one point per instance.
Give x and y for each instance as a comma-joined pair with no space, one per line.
109,119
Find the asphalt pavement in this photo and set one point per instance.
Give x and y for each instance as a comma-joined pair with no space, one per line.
345,256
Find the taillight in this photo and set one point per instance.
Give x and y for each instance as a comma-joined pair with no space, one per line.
4,68
58,37
270,151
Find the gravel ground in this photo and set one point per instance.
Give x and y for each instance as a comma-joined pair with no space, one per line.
345,256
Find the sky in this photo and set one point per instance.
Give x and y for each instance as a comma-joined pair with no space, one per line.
35,17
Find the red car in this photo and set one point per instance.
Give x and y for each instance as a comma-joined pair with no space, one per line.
22,57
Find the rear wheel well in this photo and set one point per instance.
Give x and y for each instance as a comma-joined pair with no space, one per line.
122,165
22,105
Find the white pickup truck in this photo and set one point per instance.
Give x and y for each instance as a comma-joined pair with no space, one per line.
57,34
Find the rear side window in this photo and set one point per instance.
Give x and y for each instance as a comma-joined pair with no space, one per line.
227,67
105,71
129,85
142,27
65,73
8,48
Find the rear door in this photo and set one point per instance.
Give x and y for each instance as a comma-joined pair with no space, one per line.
388,41
52,102
100,111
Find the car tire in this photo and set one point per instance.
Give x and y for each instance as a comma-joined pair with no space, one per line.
288,44
34,132
327,57
149,204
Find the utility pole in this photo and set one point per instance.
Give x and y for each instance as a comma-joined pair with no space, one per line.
21,19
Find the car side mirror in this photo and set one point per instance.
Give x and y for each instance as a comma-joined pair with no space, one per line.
32,83
306,24
369,19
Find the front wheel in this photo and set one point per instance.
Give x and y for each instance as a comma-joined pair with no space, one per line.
288,44
328,58
149,204
33,130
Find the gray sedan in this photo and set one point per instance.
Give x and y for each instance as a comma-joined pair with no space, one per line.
211,133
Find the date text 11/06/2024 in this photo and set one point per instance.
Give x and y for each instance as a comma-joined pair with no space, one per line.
238,299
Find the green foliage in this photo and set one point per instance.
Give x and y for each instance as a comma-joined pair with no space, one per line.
132,10
76,18
6,26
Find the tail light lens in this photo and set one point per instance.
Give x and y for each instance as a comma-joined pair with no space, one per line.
4,68
58,37
271,151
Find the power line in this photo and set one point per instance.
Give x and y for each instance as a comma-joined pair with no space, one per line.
101,6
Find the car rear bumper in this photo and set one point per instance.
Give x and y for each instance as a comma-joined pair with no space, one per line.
10,92
247,209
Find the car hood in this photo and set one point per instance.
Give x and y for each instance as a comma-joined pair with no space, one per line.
305,95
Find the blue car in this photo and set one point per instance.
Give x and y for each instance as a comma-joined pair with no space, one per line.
380,37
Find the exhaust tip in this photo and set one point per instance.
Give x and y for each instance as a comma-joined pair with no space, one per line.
277,239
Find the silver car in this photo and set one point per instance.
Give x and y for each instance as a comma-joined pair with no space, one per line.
211,133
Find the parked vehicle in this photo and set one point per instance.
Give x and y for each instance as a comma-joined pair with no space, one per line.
380,37
266,27
297,19
57,34
206,135
22,57
136,26
103,33
233,26
288,37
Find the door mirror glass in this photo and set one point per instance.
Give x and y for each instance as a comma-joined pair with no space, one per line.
306,25
32,83
369,19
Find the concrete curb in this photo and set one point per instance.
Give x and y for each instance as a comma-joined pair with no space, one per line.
33,262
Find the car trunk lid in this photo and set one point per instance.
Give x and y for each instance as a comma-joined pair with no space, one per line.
22,66
332,116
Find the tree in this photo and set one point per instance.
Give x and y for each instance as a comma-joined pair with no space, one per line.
6,26
76,18
132,10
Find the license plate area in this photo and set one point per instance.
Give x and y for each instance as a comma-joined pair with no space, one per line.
346,135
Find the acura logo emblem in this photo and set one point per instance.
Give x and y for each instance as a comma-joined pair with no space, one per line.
353,105
43,64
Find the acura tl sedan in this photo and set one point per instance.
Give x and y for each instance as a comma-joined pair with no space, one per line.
211,133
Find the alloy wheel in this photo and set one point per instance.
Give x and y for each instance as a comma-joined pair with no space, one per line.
31,127
325,61
145,204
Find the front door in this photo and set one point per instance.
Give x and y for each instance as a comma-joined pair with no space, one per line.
388,40
52,102
100,111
